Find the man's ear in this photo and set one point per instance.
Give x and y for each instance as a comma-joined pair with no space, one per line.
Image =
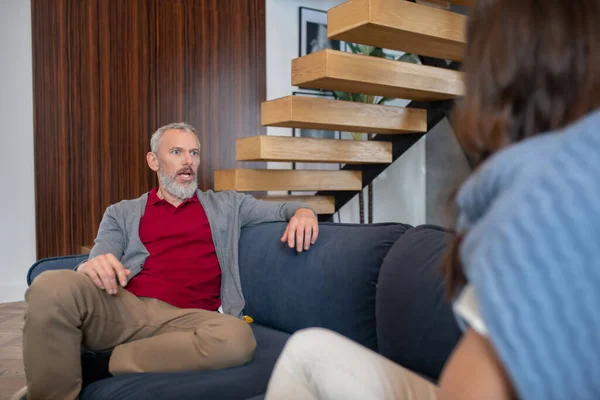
152,160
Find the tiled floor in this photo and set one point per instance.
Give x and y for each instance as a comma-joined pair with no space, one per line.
12,377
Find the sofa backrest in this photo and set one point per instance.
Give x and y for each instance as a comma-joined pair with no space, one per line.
376,284
416,327
333,285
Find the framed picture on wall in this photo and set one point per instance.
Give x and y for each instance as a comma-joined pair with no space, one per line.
313,32
314,133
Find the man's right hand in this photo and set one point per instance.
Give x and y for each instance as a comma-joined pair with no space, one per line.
104,270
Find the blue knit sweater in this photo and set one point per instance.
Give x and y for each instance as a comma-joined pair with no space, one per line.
532,253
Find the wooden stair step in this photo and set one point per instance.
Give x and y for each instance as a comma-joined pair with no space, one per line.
467,3
445,4
347,72
321,204
248,180
399,25
336,115
282,148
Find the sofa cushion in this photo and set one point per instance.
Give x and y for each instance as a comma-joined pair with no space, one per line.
228,384
332,285
416,327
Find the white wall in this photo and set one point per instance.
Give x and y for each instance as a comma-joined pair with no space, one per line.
447,167
282,47
17,202
399,192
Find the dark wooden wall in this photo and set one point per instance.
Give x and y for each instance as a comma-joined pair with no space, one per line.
107,73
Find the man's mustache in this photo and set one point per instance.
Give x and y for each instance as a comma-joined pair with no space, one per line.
186,170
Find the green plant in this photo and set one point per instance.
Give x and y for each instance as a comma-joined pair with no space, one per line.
370,99
364,98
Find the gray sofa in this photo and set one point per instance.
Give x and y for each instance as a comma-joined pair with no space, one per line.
376,284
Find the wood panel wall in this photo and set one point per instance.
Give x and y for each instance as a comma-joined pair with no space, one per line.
107,73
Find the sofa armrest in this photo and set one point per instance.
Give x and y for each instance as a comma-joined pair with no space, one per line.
52,263
416,327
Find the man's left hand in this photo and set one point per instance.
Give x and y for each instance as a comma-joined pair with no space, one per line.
302,231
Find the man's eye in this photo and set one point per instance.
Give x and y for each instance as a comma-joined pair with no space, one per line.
176,152
195,153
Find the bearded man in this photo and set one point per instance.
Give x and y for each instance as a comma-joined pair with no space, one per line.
161,285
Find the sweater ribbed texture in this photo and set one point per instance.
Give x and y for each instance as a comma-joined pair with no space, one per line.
532,253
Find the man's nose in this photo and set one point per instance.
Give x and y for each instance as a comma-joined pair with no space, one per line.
187,159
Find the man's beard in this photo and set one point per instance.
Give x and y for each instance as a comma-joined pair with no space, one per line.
181,191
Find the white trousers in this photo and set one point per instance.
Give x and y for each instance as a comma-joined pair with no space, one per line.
317,364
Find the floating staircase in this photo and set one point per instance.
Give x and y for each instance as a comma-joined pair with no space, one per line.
391,24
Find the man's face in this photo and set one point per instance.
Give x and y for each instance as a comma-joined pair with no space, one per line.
178,161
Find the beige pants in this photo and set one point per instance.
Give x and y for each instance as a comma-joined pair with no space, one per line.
65,311
317,364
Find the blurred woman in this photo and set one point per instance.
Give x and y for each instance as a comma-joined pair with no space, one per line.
524,269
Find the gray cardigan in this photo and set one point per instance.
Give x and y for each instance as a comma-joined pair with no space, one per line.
227,213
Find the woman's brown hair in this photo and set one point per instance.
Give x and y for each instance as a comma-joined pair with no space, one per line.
530,66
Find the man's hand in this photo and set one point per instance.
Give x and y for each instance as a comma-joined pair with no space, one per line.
104,270
302,231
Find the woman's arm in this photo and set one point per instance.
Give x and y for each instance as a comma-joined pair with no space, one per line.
474,372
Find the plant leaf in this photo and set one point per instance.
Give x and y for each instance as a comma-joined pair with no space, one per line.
353,47
409,57
377,52
358,98
365,50
343,96
383,100
357,136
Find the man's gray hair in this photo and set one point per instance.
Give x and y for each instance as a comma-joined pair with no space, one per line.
180,126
